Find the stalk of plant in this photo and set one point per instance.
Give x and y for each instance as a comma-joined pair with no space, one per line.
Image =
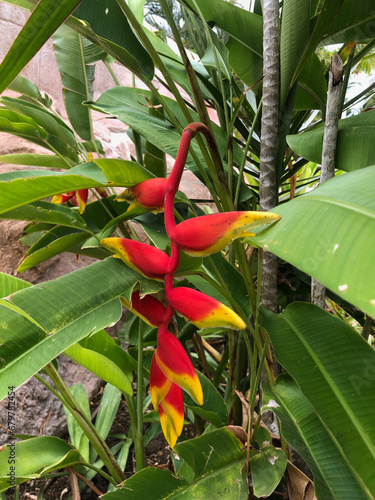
172,370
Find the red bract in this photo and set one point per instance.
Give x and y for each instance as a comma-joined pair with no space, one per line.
148,195
79,198
203,310
145,259
148,308
209,234
174,362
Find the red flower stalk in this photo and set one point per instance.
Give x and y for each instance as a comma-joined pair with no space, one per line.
145,259
148,195
208,234
148,308
202,310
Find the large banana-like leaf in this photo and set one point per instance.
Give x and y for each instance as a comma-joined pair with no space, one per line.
334,369
354,22
294,35
329,234
77,78
20,188
217,460
44,20
319,27
40,322
111,31
355,142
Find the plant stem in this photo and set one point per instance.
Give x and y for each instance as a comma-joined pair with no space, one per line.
86,425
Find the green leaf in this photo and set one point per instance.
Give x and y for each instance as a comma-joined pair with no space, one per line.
327,14
102,342
57,314
77,78
294,35
354,134
122,172
108,407
23,187
312,86
267,468
221,54
30,463
10,284
33,159
53,125
101,366
107,21
303,430
78,438
334,368
43,211
55,241
44,20
328,234
354,22
218,462
214,408
23,86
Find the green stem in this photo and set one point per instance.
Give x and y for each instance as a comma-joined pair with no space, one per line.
86,425
242,166
112,73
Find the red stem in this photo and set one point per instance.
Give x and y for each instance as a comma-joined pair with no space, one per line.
172,184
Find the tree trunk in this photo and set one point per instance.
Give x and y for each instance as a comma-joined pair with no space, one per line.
329,148
269,130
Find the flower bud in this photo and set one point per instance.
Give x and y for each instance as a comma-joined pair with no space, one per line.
145,259
208,234
148,195
202,310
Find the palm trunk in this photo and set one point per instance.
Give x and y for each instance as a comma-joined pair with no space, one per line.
269,130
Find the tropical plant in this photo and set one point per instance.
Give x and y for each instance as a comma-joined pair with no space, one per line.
323,399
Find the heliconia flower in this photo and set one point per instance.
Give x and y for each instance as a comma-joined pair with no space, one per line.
148,308
148,194
79,198
62,198
82,195
171,413
145,259
174,362
202,310
159,384
209,234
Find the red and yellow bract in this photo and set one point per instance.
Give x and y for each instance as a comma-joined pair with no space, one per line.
208,234
143,258
148,194
202,310
150,309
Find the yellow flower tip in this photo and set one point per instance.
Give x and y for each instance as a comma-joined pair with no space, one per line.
202,310
57,199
